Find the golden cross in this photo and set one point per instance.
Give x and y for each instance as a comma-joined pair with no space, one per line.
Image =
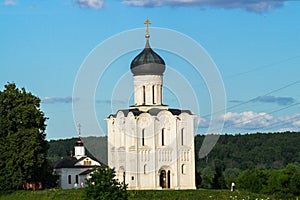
147,22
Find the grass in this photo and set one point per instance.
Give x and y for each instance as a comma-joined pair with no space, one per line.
77,194
58,194
196,194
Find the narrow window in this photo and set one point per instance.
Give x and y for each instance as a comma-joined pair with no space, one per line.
161,93
145,169
132,178
144,95
77,179
163,137
143,137
153,95
183,169
182,135
124,178
69,179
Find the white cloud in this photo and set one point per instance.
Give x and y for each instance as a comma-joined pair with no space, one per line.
202,122
250,5
95,4
257,121
297,123
247,120
10,3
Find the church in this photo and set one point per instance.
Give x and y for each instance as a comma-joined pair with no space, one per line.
150,145
73,171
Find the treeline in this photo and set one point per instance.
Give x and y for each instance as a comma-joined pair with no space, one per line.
60,149
260,150
242,151
260,163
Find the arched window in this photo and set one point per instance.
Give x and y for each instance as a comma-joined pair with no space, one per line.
145,169
163,137
182,136
183,169
69,179
143,137
153,94
160,93
144,95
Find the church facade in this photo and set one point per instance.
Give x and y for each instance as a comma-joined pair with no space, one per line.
150,145
73,171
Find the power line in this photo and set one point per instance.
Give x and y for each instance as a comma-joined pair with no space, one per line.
251,100
282,123
260,116
264,66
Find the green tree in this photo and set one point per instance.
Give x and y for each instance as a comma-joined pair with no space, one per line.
285,182
253,180
23,148
231,175
295,182
219,181
207,175
104,185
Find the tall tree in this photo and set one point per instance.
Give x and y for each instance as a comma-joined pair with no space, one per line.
23,148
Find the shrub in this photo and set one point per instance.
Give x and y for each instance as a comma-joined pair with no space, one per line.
104,185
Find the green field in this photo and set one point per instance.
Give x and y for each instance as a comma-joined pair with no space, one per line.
76,194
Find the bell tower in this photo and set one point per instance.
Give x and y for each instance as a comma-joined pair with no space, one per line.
79,147
147,68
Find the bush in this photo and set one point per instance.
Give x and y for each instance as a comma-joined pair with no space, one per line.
104,185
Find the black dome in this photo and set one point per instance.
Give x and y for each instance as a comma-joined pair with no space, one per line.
147,62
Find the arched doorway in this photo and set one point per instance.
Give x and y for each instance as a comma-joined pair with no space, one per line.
165,179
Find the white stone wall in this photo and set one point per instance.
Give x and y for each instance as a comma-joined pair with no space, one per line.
64,174
148,90
138,146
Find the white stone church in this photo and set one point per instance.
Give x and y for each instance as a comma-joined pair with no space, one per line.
150,145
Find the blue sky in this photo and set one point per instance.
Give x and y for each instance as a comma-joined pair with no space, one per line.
255,45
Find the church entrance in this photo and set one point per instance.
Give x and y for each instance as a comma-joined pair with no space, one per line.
165,179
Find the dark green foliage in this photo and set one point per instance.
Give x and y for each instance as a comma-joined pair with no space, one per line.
60,148
231,175
103,185
284,183
219,181
23,148
272,150
258,163
207,175
253,180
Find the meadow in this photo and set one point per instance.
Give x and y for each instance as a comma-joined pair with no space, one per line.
78,194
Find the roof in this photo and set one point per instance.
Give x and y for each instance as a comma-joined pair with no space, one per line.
86,172
152,112
67,162
147,62
70,162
